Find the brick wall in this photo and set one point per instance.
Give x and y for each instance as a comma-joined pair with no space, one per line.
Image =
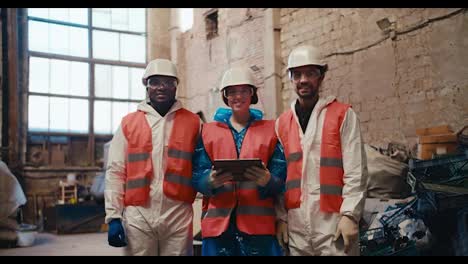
418,79
201,62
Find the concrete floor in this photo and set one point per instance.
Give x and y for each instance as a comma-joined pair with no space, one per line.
47,244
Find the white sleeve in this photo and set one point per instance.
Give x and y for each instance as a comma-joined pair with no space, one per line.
115,177
354,165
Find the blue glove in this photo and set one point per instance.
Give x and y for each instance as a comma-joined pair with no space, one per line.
116,234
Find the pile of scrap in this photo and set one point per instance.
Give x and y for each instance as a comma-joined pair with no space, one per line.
393,228
440,178
429,218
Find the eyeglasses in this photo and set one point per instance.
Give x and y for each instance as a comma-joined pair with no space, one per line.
230,93
155,83
311,74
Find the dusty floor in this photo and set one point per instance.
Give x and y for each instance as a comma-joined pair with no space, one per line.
47,244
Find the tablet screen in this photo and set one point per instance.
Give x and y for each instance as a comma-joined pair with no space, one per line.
237,166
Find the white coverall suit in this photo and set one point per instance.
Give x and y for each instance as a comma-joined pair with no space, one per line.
164,226
311,232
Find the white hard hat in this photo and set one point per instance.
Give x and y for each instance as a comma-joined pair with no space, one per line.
237,76
160,67
305,55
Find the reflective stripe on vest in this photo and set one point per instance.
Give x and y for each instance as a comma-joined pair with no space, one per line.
254,215
331,163
288,132
331,159
178,174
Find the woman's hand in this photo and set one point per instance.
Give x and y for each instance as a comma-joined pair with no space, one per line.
217,178
259,175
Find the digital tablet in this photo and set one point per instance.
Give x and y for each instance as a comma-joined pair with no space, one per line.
237,163
237,166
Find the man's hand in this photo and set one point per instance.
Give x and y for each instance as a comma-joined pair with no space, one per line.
259,175
282,234
347,228
116,234
217,178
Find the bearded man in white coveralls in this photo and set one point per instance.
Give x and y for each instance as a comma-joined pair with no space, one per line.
327,168
148,192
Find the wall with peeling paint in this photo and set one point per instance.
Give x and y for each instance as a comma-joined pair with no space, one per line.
418,79
201,62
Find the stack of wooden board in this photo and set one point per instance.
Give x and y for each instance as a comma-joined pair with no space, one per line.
436,140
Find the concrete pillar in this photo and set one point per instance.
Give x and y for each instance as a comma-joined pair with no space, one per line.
158,40
174,31
272,59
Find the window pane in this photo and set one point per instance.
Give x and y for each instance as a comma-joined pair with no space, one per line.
79,115
105,45
38,113
132,48
59,114
137,90
78,42
137,19
38,75
119,18
68,40
60,14
119,110
38,36
120,83
102,117
38,12
103,80
101,17
133,107
72,15
59,39
59,76
79,15
79,78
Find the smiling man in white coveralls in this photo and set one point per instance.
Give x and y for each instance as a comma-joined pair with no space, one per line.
327,168
148,192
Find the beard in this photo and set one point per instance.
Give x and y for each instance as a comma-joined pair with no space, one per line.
307,92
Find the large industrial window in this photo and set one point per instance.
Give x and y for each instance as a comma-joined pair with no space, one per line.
85,69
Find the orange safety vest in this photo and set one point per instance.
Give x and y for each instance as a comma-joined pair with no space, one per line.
331,160
255,216
177,182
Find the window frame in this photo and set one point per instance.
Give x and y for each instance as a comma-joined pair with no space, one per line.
92,137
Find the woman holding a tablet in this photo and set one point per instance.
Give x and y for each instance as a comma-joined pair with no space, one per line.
239,216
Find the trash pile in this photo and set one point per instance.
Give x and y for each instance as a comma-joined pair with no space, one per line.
417,206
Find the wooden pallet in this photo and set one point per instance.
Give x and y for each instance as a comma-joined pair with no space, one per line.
436,140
